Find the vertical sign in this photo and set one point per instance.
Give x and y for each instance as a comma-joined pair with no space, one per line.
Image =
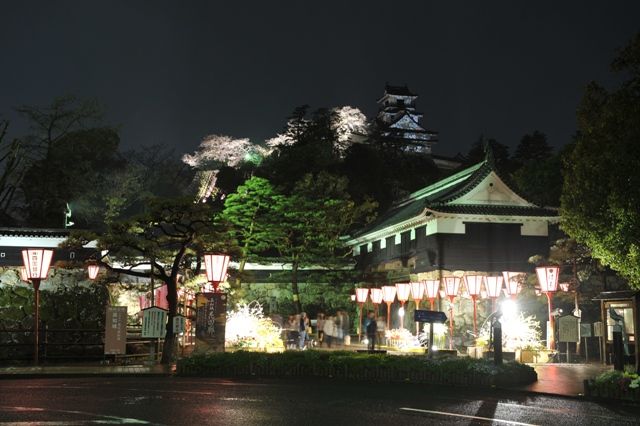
154,322
179,324
568,329
115,332
211,317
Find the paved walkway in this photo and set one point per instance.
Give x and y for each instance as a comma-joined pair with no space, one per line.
563,379
84,370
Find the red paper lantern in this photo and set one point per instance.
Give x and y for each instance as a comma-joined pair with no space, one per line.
548,278
216,266
376,296
473,284
493,286
513,282
403,290
36,263
362,294
451,287
417,292
92,271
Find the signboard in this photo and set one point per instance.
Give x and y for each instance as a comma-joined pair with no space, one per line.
597,329
211,317
115,330
568,329
585,330
429,316
179,324
154,322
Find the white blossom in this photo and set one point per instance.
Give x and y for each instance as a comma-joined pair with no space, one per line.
220,149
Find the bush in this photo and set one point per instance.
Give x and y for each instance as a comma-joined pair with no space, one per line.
358,366
615,385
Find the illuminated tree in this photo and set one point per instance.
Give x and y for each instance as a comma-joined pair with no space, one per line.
600,204
163,242
251,210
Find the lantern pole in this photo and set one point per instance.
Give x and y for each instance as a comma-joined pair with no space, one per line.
451,285
36,263
548,279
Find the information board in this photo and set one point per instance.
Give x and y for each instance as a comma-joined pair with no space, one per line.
154,322
568,329
438,317
211,317
585,330
115,330
597,329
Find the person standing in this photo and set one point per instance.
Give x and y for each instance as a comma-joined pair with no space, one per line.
320,327
302,329
329,330
372,330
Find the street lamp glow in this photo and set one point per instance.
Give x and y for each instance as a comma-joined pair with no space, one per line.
509,309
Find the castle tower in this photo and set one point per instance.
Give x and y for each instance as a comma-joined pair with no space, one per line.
398,121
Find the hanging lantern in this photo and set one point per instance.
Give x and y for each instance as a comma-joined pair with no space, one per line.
548,278
513,282
451,287
403,290
493,286
431,288
388,295
36,268
361,297
474,287
36,263
216,266
92,271
376,296
417,292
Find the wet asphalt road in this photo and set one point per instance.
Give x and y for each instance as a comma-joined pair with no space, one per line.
199,401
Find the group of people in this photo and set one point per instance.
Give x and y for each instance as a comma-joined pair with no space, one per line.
333,329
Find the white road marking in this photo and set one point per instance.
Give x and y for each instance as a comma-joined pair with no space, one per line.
465,416
105,419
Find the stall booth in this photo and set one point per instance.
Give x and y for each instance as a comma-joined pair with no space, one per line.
624,304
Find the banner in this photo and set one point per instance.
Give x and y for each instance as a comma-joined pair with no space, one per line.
211,318
115,331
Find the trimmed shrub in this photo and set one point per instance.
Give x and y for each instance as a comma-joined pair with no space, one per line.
356,366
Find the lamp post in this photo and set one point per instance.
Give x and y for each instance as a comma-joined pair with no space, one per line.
432,287
451,286
376,298
474,286
493,284
513,282
216,266
417,293
92,271
361,298
403,295
36,264
548,279
388,295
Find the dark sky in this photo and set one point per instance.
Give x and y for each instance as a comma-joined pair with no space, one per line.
172,72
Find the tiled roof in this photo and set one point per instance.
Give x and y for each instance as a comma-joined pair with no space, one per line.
494,210
34,232
398,90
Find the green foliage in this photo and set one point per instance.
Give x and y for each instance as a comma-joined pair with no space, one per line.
252,211
352,365
540,181
600,202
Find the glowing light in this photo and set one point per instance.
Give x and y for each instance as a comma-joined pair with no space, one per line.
36,263
389,293
451,287
432,287
92,271
518,332
417,291
564,287
513,282
248,328
509,309
401,312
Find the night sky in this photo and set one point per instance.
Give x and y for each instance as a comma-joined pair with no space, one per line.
173,72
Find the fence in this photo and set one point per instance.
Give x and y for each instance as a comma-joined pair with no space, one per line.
77,345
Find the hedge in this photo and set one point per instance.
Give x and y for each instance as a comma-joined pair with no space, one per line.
614,385
356,366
